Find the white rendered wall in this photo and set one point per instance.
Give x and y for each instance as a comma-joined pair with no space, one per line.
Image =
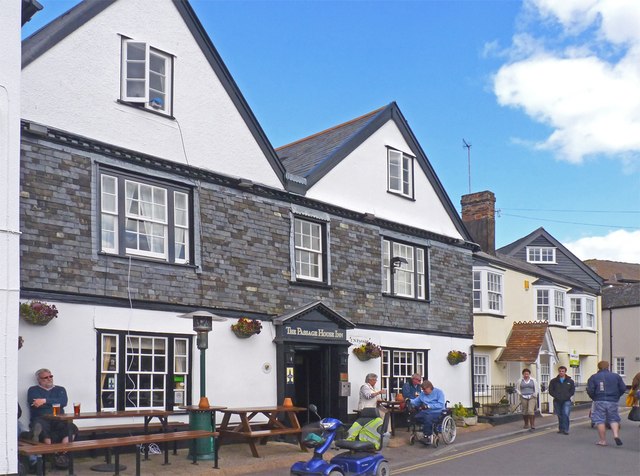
453,380
9,229
231,363
359,183
75,86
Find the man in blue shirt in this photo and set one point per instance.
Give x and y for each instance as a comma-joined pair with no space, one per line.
411,389
431,402
41,399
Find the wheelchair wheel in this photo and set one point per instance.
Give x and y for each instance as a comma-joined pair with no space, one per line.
412,439
448,430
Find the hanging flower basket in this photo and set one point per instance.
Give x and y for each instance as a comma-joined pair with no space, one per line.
367,351
38,313
245,328
454,357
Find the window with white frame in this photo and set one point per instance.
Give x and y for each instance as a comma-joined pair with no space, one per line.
400,173
542,304
541,254
487,291
577,373
582,312
398,365
139,371
144,217
407,275
310,250
545,375
558,306
618,365
481,381
550,305
147,76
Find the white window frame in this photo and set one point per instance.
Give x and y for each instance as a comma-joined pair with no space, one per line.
541,254
577,373
398,365
545,375
619,365
125,217
582,312
551,304
488,290
400,173
411,279
146,372
154,83
481,374
310,248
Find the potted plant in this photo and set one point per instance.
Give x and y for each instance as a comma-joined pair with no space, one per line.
464,416
454,357
38,313
245,327
367,351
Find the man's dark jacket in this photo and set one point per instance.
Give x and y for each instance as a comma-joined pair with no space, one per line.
562,391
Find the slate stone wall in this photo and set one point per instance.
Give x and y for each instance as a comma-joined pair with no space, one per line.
244,255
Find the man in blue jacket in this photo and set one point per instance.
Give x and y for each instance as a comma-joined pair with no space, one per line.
605,389
431,402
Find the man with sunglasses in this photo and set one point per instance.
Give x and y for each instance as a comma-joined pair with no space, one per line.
41,399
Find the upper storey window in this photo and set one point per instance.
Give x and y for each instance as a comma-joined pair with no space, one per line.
146,76
541,254
404,270
400,173
145,218
310,240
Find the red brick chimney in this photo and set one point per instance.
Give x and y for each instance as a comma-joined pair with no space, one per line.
479,216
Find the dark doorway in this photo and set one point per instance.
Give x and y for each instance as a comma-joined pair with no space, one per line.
309,379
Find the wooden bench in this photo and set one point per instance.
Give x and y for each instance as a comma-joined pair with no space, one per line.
26,448
261,435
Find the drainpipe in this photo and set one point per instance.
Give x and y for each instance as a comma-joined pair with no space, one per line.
473,385
611,336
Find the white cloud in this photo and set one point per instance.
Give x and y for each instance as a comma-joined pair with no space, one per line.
619,245
586,90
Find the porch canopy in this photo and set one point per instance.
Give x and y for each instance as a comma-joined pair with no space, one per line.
527,341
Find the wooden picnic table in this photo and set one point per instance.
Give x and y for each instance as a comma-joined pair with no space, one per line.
147,415
252,430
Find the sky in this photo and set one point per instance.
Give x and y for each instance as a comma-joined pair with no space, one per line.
546,93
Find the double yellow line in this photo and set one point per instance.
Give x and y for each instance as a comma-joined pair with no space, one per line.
471,452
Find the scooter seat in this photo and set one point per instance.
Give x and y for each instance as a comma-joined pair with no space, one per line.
355,445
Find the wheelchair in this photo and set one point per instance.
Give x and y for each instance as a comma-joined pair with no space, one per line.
444,427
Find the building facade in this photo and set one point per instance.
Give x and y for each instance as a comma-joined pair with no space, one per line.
535,306
148,190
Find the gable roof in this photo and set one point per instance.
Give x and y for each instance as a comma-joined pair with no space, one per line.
525,341
313,157
318,307
517,246
42,40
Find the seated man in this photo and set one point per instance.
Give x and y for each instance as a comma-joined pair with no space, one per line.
411,388
41,399
430,402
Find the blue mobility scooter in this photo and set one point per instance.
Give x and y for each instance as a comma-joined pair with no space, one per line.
361,459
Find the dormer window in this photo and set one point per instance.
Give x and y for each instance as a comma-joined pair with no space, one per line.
146,76
400,173
541,254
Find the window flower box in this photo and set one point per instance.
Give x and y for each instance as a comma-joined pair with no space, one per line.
245,328
38,313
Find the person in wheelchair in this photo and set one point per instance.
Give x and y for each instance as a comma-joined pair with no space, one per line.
429,405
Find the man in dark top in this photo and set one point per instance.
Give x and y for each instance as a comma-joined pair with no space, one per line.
41,399
605,389
562,388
